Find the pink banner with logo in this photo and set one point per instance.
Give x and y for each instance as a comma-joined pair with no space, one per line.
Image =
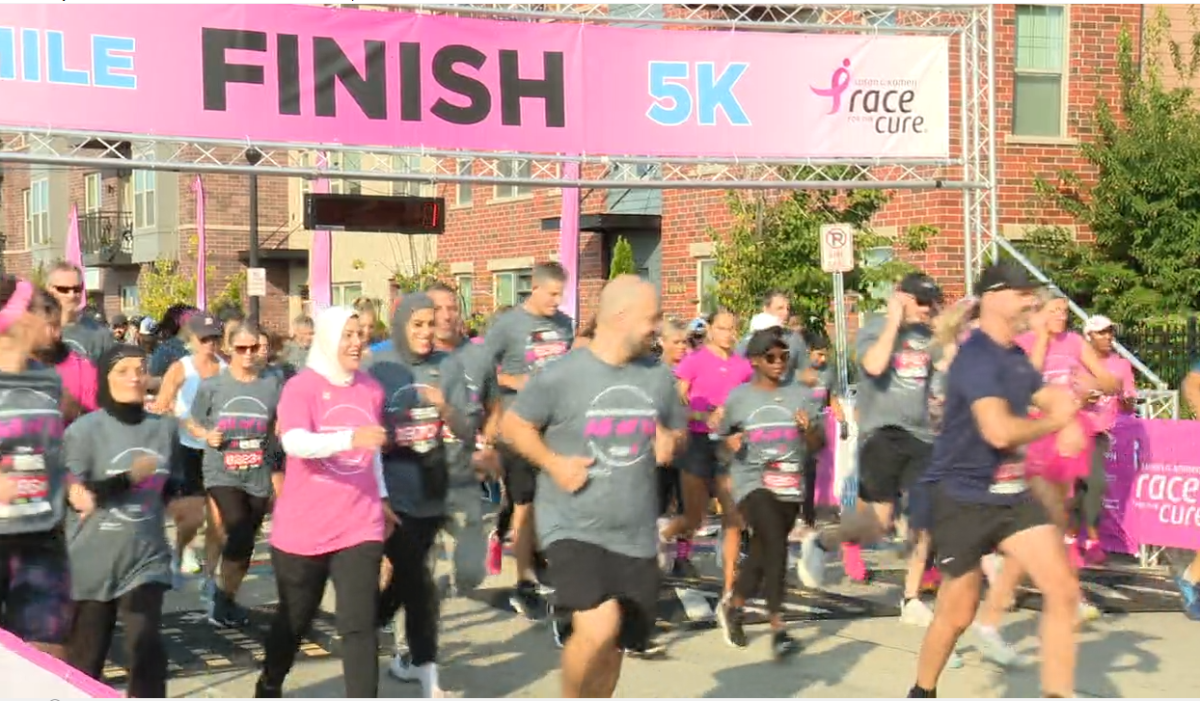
320,253
1153,495
315,75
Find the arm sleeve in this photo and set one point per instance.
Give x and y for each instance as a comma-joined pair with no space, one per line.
77,452
309,445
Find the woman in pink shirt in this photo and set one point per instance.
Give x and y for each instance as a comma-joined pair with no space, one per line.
706,375
330,519
77,372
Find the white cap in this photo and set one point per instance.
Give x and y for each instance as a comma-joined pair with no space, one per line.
1097,323
764,321
148,327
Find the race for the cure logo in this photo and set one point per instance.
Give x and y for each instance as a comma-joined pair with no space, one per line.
619,428
883,104
244,416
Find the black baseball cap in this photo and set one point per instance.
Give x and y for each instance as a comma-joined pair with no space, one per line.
761,342
119,321
922,288
204,325
1004,276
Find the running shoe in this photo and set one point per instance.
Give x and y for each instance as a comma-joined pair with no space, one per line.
994,649
224,612
495,553
733,624
811,565
1190,592
1093,554
652,651
525,599
1073,553
189,563
915,612
263,691
401,668
852,561
783,645
931,580
1088,612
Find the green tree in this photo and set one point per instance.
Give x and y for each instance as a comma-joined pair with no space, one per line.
230,296
622,259
777,245
160,285
417,279
1139,194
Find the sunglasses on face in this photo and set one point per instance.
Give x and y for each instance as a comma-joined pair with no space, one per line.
247,350
210,339
777,357
68,289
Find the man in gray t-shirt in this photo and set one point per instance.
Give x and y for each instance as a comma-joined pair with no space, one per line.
80,332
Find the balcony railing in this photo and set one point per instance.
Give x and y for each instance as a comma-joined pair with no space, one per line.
106,237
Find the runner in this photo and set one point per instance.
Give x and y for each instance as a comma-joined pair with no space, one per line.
766,424
979,499
35,591
522,342
80,332
234,414
176,395
295,351
674,342
77,372
597,424
775,305
172,330
124,460
705,378
426,400
822,378
329,521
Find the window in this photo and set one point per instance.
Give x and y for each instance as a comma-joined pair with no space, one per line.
466,295
344,293
91,193
345,161
462,191
409,163
37,213
706,286
513,169
512,287
130,302
144,214
1038,78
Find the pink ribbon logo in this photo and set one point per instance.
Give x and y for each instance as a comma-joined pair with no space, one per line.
838,82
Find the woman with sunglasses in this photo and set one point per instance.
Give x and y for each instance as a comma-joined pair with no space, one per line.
769,426
178,391
234,414
35,590
124,461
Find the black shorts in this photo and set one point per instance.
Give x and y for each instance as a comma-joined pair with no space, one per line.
191,463
587,575
890,460
520,477
964,532
701,457
35,586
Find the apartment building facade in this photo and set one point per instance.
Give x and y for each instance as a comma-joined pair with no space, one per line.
1052,63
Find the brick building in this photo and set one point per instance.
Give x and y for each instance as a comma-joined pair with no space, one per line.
1052,63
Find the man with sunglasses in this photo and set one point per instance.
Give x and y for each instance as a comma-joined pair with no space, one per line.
80,332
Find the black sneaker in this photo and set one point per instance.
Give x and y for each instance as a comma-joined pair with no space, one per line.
224,612
263,691
684,569
526,601
783,645
652,650
732,622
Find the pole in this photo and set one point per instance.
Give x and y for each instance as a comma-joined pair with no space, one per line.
839,330
253,156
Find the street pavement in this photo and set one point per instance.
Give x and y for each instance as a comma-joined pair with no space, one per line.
488,653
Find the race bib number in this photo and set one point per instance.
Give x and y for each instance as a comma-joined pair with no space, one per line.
911,364
423,433
27,473
784,480
541,354
243,454
1009,478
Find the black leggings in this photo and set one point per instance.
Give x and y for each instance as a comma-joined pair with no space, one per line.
140,613
301,581
810,492
241,516
1089,492
412,586
769,521
670,489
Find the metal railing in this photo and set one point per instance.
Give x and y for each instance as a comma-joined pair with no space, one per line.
101,231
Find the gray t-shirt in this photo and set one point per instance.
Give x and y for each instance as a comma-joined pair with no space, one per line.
522,343
122,544
900,396
479,384
797,352
586,407
88,338
773,450
244,412
416,451
31,430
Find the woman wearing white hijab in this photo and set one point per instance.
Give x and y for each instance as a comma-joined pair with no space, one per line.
330,519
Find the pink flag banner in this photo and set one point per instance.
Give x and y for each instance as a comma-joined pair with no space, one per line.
320,252
252,72
29,673
74,252
568,241
201,243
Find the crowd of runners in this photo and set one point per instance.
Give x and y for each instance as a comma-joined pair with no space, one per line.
983,422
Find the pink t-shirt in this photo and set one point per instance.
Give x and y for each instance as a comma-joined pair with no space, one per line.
710,379
333,503
1106,409
1064,357
78,376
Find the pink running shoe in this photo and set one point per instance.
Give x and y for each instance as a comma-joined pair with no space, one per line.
1073,553
1093,554
495,554
931,580
852,562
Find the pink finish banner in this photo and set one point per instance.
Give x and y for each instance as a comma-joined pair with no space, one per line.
315,75
1153,495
